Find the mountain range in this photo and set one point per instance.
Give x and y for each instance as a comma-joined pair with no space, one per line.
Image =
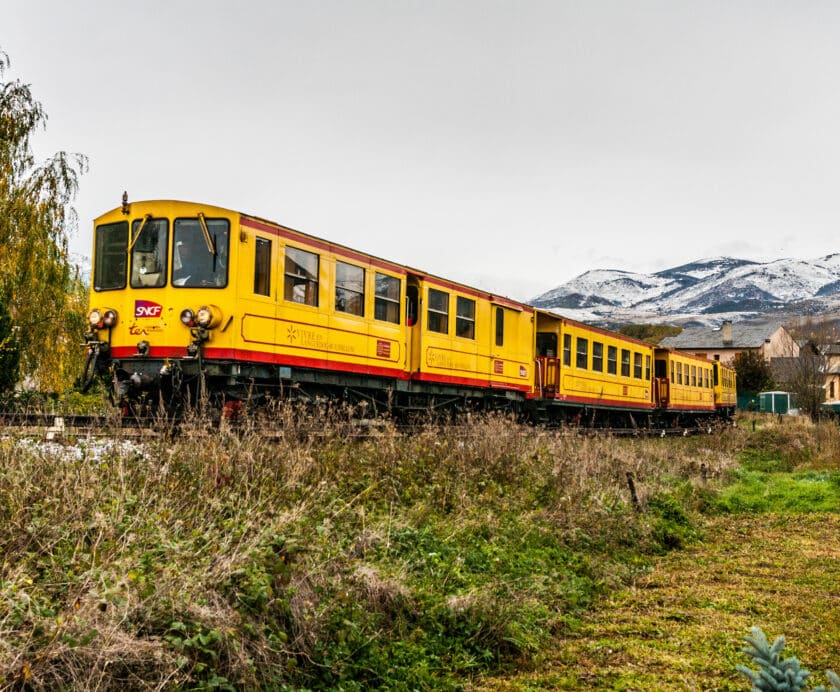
707,292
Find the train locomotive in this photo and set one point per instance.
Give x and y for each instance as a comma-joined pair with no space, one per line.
194,302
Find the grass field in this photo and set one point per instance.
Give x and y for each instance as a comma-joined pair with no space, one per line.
681,626
484,556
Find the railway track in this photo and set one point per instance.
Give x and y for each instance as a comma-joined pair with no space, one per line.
56,426
61,426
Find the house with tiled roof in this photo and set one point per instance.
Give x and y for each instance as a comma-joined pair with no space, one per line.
727,341
832,373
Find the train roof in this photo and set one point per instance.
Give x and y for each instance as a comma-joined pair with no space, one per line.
287,231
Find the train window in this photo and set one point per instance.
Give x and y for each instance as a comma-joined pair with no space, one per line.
200,252
547,344
705,378
597,356
582,359
301,282
465,318
349,288
567,349
149,242
109,271
625,362
679,373
262,267
612,360
438,312
715,369
673,378
500,326
386,304
637,366
660,368
693,375
647,368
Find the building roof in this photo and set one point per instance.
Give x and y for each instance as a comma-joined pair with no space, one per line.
744,335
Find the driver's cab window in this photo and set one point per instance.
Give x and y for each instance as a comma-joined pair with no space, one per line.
149,240
200,252
109,270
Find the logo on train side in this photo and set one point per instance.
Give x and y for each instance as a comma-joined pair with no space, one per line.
147,308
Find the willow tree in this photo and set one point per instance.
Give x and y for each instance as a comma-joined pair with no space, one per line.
39,286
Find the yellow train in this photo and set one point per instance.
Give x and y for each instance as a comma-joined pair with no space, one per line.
191,300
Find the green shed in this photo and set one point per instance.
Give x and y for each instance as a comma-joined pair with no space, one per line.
774,402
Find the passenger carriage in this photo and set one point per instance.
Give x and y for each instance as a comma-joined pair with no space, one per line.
191,298
684,385
590,375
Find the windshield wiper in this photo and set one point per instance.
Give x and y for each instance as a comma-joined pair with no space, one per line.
211,246
146,219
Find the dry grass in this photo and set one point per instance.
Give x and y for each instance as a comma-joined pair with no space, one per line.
219,558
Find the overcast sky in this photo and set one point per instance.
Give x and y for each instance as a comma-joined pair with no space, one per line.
509,145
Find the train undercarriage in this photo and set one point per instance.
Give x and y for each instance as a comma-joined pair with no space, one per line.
228,387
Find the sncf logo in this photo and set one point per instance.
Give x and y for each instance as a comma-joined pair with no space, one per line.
147,308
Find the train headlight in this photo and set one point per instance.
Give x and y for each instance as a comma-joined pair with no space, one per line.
94,318
109,319
187,317
204,317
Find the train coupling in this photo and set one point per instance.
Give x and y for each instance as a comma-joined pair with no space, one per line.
129,384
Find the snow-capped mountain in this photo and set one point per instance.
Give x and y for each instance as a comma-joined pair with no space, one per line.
706,291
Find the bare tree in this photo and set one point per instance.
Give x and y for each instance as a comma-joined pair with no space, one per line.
804,376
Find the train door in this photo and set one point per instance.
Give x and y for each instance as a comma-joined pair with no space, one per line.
661,388
412,322
547,369
498,353
257,293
